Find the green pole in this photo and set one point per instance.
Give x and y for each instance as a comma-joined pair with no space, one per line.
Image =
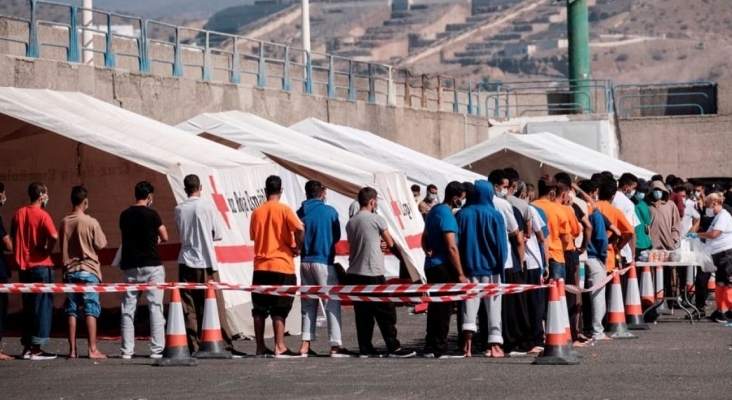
578,26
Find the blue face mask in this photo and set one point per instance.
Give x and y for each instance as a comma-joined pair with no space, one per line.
640,196
657,194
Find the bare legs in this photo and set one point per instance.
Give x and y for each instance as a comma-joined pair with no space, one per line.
91,326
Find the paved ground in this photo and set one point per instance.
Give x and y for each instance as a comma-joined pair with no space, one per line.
674,360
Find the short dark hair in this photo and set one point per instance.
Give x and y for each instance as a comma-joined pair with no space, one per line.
430,187
597,177
670,178
313,189
416,188
588,186
608,189
627,179
143,190
607,174
657,177
689,188
521,188
35,190
453,189
562,188
469,188
191,183
2,187
78,195
273,185
365,195
511,174
563,178
546,184
497,176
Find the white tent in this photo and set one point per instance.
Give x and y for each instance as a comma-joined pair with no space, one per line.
64,139
541,153
421,169
342,172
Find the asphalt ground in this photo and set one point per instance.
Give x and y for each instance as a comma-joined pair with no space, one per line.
673,360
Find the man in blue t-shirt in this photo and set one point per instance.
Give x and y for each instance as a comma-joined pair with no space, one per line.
5,245
442,265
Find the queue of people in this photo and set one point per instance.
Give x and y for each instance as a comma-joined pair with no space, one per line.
499,230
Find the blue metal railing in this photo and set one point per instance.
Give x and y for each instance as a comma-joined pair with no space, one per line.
216,56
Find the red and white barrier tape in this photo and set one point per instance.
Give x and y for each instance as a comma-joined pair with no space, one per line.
574,289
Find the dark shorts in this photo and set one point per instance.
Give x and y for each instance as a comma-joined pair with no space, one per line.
276,306
723,262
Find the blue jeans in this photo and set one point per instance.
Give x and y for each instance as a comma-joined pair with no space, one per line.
89,300
557,270
37,308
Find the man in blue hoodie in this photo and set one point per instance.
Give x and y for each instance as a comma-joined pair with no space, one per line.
483,253
322,232
442,265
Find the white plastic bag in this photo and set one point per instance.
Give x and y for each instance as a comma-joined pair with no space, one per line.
703,258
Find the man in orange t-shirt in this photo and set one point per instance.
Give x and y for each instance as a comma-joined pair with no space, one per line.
272,227
608,189
560,233
34,237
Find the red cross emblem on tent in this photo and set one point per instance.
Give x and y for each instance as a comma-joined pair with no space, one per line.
395,208
220,202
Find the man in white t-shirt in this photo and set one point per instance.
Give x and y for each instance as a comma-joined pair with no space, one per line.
500,187
690,221
626,190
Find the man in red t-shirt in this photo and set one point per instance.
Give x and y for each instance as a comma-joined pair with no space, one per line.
34,237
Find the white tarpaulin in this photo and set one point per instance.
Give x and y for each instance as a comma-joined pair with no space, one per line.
421,169
541,153
340,171
64,139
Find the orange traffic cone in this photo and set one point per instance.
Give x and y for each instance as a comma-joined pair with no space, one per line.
616,325
176,351
712,285
647,295
212,342
689,281
556,350
633,309
565,317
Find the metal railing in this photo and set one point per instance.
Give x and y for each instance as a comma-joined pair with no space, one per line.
666,99
161,48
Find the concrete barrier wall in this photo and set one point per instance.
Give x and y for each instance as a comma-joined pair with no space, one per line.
174,100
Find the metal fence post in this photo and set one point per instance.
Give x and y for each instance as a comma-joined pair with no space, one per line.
261,67
235,67
477,99
109,59
372,84
456,100
207,72
391,90
470,99
177,57
331,77
439,92
33,47
308,73
144,48
351,82
497,102
286,70
73,53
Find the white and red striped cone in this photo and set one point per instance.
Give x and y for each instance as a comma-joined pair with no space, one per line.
660,293
647,294
690,281
565,317
212,342
556,350
633,309
616,326
176,351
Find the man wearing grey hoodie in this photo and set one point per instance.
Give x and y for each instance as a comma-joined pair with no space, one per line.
665,229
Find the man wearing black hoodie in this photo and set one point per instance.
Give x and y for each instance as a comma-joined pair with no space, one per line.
322,232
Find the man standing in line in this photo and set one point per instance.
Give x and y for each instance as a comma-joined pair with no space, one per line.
665,232
430,200
522,205
5,245
272,228
500,190
608,189
322,233
560,234
142,231
416,192
442,265
34,237
80,238
365,232
627,185
198,227
483,251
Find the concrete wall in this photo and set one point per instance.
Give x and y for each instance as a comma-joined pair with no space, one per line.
174,100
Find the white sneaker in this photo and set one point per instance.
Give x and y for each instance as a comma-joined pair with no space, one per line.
126,356
42,356
156,355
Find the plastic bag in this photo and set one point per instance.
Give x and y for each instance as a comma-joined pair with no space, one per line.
703,258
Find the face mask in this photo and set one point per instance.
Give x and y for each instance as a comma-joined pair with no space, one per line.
502,194
709,212
4,200
640,196
431,197
668,187
631,194
462,202
149,203
657,194
44,203
86,206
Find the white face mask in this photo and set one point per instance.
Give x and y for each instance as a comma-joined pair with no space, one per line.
4,200
462,202
431,197
502,194
709,212
631,194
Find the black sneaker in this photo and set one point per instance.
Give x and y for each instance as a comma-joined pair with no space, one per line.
721,318
343,353
371,355
444,356
401,353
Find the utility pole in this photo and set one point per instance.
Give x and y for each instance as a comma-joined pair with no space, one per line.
578,27
87,36
306,25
